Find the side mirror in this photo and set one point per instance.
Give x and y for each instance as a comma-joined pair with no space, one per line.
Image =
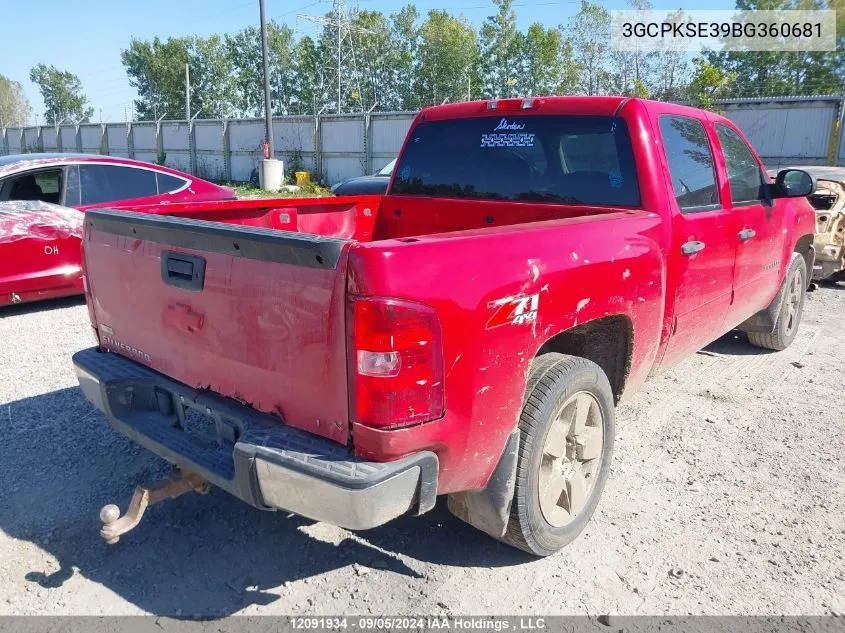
794,183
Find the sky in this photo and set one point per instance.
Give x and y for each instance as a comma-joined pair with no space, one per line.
87,37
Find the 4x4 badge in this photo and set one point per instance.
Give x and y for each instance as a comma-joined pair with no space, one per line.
517,310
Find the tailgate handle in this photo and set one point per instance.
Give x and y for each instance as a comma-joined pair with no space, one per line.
183,271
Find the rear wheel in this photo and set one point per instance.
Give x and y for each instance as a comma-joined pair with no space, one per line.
566,442
790,312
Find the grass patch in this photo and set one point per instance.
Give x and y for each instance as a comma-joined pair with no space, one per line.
247,190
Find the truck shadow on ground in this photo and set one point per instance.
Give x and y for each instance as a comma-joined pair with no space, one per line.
197,555
734,343
41,306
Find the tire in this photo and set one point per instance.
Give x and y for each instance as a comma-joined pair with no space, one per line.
556,384
790,311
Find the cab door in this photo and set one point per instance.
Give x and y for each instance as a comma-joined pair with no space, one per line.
703,252
758,226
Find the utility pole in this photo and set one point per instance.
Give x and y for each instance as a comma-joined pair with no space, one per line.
271,176
265,60
187,93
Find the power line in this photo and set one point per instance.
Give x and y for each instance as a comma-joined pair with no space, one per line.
341,23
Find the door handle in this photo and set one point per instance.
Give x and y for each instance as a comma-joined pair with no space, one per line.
691,248
746,234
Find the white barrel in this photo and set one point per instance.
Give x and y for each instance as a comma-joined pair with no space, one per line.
271,174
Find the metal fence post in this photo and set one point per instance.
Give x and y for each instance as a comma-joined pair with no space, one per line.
227,151
104,140
368,140
192,148
368,144
318,147
130,139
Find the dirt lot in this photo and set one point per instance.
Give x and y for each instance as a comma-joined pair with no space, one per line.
727,496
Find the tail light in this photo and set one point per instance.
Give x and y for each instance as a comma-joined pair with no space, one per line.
397,362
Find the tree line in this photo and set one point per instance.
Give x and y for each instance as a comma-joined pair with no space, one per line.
404,61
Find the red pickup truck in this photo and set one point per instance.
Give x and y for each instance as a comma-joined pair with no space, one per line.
466,334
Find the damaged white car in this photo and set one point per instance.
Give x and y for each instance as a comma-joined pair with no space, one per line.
829,202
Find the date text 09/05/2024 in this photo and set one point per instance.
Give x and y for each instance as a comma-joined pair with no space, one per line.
456,623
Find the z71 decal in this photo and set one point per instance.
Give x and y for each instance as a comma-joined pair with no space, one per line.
518,310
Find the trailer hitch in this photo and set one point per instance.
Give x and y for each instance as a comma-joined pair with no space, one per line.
145,495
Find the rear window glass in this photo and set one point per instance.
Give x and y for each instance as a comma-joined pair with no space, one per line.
168,183
536,158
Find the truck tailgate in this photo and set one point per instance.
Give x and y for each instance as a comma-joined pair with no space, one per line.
253,314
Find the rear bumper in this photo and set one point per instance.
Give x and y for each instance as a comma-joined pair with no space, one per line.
254,456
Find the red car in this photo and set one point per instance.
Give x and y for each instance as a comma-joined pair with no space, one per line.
45,263
467,334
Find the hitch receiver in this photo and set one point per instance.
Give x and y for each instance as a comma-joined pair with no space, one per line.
145,495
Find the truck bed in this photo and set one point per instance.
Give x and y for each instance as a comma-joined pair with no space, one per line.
375,218
250,302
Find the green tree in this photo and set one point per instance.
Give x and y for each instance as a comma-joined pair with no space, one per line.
311,81
774,73
373,62
631,71
547,64
709,82
405,41
156,70
448,58
244,54
212,84
14,105
671,69
500,47
62,94
590,33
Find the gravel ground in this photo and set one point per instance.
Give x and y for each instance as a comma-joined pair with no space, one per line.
727,496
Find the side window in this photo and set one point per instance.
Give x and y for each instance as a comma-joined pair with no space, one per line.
72,187
690,163
50,183
41,185
744,174
109,183
168,183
